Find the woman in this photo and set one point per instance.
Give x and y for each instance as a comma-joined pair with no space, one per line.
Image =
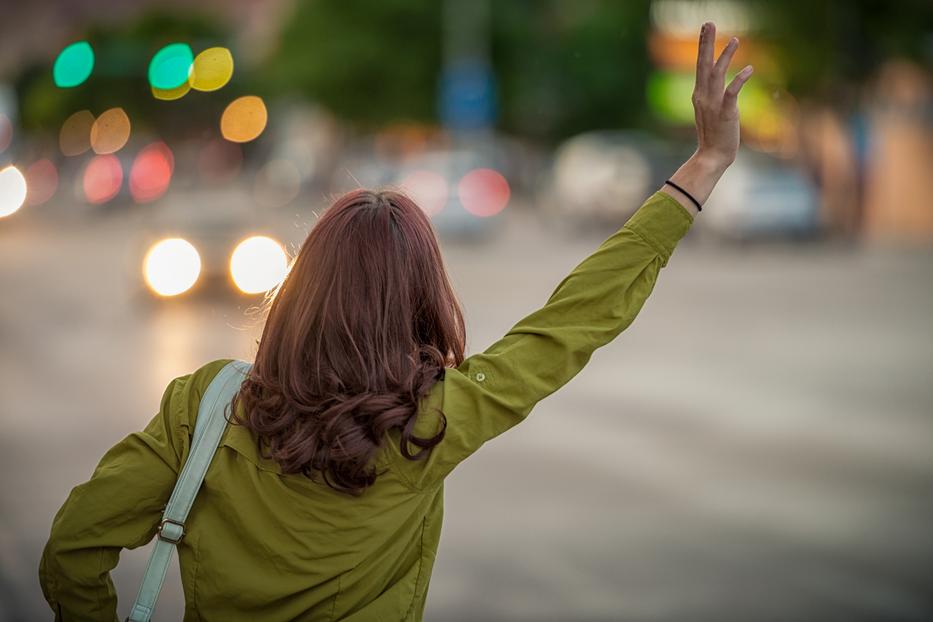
325,498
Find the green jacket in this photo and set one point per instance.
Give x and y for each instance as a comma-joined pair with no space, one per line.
262,545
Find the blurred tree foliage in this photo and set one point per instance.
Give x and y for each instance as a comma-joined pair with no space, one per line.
561,67
369,61
120,77
567,67
827,48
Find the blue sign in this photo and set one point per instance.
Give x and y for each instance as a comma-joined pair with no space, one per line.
467,95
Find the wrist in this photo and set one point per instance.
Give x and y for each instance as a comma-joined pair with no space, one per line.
710,162
699,174
682,196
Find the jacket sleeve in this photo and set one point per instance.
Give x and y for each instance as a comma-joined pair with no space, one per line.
496,389
119,507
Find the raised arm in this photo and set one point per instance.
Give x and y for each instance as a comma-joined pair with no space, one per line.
496,389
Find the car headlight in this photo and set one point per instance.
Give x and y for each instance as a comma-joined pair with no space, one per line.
172,266
12,190
258,264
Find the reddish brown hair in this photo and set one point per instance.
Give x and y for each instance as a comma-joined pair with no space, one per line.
363,325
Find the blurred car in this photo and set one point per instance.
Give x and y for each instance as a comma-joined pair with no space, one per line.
601,177
461,190
214,241
762,196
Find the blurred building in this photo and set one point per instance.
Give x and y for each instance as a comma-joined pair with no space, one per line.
899,183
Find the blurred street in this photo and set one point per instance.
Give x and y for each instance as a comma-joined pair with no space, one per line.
756,446
769,460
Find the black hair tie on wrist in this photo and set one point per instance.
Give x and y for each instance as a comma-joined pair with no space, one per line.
689,196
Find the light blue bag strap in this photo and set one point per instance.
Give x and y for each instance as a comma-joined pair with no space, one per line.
208,430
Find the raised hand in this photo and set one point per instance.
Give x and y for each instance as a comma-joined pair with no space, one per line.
717,121
716,111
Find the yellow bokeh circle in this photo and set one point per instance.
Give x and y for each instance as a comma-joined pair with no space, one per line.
171,94
75,135
110,131
244,119
211,70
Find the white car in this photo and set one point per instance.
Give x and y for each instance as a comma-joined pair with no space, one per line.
762,196
601,177
462,190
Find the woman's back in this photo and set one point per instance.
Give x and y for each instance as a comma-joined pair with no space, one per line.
267,545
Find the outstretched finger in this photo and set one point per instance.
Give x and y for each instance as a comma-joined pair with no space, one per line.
705,54
732,91
722,65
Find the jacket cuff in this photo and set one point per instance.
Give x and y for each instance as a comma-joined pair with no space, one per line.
662,222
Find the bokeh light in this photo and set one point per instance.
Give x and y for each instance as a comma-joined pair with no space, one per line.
212,69
171,94
668,95
110,131
73,65
41,182
12,190
484,192
6,132
103,177
258,264
151,172
75,135
220,161
172,266
428,189
244,119
171,66
277,183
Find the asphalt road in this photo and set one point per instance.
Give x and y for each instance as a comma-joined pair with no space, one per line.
758,445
